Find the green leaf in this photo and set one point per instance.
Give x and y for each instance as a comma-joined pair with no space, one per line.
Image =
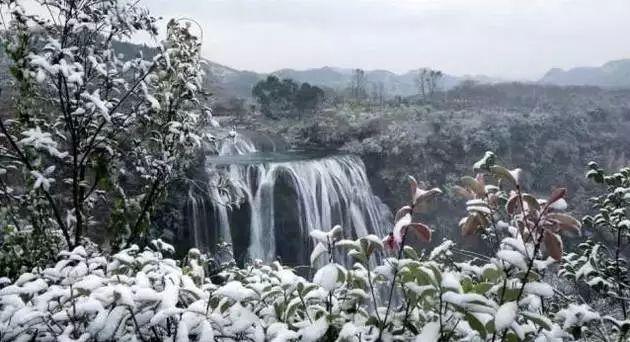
472,184
411,328
511,337
502,173
476,324
510,295
490,327
410,253
481,288
492,274
357,255
372,321
538,319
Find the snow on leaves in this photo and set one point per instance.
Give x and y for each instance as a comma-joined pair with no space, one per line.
82,101
41,141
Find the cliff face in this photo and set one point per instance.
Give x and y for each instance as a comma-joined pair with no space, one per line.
550,132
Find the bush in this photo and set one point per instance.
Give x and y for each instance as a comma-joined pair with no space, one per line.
22,251
391,291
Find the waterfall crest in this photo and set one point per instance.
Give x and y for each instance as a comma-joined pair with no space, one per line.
275,201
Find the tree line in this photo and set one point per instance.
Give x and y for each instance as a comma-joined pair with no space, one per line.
278,98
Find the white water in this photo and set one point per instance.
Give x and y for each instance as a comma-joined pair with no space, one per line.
328,191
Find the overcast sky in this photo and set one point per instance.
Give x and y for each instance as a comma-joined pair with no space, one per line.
506,38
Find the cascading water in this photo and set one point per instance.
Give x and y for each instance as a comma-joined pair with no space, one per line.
277,199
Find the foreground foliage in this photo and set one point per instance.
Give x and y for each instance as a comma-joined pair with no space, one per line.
391,291
94,138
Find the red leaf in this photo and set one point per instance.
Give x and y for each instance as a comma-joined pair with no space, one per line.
423,197
459,190
512,204
553,244
471,223
402,212
421,230
390,243
556,195
565,222
479,178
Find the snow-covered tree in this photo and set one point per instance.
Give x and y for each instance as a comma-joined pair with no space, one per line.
95,136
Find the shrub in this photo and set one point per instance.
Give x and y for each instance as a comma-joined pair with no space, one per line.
371,288
22,251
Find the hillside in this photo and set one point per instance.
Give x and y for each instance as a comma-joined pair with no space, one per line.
614,74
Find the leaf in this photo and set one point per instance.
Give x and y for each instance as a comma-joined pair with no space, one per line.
410,253
538,319
531,202
485,162
421,230
327,277
357,255
414,187
319,235
349,244
474,185
481,209
318,251
476,324
373,239
512,204
462,192
565,222
505,315
411,327
471,223
481,288
596,175
422,197
402,212
336,233
369,243
511,176
556,195
553,245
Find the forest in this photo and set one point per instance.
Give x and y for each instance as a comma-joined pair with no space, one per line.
149,194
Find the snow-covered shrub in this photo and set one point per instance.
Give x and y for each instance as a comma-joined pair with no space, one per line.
370,288
20,251
599,265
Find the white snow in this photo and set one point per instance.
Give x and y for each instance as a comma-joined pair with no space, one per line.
327,276
314,332
430,332
539,289
235,290
505,315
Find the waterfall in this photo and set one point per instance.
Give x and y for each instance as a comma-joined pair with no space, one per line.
281,200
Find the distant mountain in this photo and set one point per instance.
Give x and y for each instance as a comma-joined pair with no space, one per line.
337,78
614,74
226,80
